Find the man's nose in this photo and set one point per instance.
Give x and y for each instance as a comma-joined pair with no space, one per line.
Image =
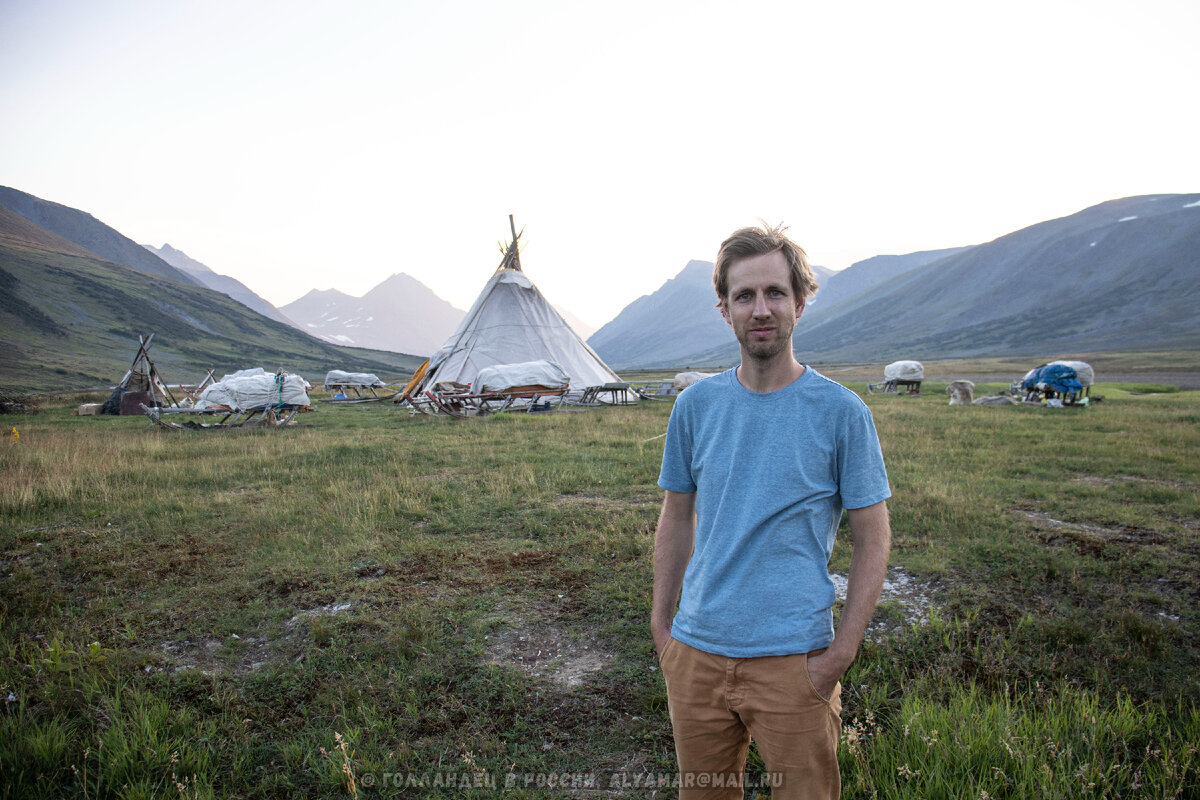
760,306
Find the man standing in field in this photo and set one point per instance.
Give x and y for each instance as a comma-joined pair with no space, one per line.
760,462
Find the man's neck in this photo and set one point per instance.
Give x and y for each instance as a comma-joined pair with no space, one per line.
769,376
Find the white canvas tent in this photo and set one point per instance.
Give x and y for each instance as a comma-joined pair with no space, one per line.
510,323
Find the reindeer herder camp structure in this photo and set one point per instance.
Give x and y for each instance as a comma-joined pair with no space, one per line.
514,329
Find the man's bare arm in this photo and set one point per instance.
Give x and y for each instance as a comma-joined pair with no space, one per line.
872,535
673,541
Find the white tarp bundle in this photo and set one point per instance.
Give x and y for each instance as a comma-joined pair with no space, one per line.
904,371
1083,371
686,379
242,392
528,373
335,377
511,322
244,373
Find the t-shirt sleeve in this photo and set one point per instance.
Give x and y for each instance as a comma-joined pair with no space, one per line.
862,476
676,472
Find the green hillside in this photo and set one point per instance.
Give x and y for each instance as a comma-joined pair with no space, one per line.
69,319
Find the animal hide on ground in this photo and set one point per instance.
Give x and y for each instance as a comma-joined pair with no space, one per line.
961,392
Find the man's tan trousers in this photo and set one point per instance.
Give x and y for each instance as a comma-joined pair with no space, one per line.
718,703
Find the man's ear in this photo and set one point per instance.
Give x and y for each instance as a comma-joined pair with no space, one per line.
800,304
724,309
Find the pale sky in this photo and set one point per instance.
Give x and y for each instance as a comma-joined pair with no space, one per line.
299,145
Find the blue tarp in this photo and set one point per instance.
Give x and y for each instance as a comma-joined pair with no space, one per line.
1056,377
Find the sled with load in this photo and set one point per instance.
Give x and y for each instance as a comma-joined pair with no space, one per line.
527,386
353,387
1067,382
251,398
897,375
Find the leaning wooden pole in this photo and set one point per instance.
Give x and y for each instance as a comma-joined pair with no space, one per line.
514,260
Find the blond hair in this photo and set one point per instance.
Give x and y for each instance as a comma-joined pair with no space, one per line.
749,242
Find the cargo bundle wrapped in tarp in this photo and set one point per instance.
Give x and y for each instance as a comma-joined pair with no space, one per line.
504,377
908,374
1083,371
335,378
1053,377
244,373
904,371
1058,383
682,380
253,389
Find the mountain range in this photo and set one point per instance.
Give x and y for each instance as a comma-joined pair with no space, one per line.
1120,276
669,326
399,313
70,317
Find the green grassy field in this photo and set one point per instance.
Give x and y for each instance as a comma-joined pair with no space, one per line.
378,605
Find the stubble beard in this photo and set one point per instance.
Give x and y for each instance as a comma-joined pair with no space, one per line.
765,352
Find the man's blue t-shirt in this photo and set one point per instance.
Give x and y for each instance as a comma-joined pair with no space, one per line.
771,472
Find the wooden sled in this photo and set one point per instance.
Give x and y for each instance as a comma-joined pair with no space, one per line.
369,396
464,405
609,394
223,417
662,389
893,387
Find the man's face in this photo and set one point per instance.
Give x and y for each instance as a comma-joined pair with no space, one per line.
761,306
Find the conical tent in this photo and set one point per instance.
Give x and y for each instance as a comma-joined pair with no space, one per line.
511,322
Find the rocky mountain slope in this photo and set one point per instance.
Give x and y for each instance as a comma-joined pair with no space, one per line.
1120,276
674,323
89,233
221,283
666,327
71,319
866,274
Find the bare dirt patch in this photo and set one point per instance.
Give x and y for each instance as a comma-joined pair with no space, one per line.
547,651
601,502
1083,533
326,610
240,654
912,599
1116,480
236,655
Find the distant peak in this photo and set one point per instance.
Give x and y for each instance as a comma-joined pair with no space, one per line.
399,277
